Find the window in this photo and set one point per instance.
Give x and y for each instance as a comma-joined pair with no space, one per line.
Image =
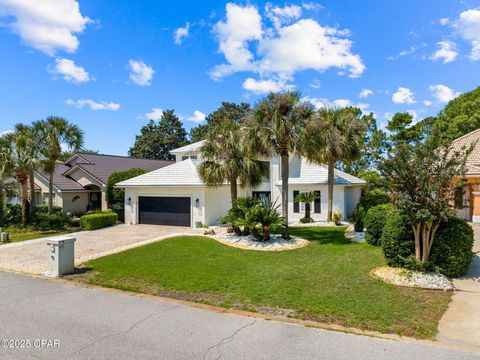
193,157
184,158
317,209
296,205
261,194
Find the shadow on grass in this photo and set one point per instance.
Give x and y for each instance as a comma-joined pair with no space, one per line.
327,235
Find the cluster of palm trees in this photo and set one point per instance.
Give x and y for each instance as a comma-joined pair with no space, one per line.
280,125
29,147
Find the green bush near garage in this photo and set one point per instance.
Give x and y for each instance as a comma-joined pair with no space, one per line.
98,220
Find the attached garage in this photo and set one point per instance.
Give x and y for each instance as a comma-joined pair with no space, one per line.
156,210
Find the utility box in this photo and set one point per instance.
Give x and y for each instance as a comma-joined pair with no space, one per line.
60,256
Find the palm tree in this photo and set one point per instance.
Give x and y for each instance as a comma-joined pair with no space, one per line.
20,156
6,171
275,127
52,134
224,159
333,135
307,198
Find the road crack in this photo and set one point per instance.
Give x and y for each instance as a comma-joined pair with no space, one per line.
226,340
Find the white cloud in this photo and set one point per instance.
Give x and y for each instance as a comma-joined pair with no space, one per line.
141,73
282,15
468,26
403,53
102,105
69,71
427,103
315,84
156,114
265,86
47,25
181,33
197,117
5,132
443,93
447,51
443,21
312,6
323,102
403,96
314,46
365,93
243,24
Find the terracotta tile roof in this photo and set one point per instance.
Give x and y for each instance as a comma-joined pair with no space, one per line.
473,160
98,166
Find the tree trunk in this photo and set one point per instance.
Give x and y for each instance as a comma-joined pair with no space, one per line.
31,182
331,180
24,196
307,210
255,234
50,194
284,166
266,233
233,192
416,232
2,209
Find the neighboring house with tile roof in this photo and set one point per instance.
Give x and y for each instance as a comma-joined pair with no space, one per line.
467,202
79,183
175,194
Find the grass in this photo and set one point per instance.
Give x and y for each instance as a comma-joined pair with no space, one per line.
31,235
326,281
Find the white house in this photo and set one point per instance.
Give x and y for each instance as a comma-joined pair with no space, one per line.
175,194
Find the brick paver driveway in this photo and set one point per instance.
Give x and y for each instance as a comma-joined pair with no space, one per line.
30,256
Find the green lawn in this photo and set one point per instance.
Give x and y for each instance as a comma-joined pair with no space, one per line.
30,235
326,281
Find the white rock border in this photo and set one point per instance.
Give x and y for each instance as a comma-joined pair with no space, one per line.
410,278
276,242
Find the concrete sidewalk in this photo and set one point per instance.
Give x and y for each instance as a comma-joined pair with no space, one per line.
461,322
30,257
102,324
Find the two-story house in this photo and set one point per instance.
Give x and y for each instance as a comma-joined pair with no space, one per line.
176,195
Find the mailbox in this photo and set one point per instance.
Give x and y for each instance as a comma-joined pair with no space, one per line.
60,256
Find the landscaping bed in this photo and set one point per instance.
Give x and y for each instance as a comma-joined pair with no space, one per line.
276,242
405,277
327,281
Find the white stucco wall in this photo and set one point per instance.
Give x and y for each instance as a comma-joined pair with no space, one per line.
218,202
352,197
77,206
338,201
197,212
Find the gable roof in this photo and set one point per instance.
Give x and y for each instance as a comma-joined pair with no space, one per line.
98,166
473,159
183,173
189,148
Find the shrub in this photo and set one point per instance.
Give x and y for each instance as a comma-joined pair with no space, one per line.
98,220
337,217
359,218
373,198
43,209
117,196
397,240
12,214
452,247
56,221
375,220
306,220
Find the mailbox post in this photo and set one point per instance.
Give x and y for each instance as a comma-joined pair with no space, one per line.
60,256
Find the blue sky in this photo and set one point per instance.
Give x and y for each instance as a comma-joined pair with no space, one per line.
105,64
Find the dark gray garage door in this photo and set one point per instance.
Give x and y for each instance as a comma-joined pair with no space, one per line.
165,210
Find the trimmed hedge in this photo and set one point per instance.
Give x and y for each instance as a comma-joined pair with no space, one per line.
375,220
397,240
452,247
98,220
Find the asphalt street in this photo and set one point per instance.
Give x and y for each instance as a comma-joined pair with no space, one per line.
44,319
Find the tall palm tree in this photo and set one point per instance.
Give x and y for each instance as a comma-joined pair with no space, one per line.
333,135
275,127
20,155
28,131
52,133
225,159
6,170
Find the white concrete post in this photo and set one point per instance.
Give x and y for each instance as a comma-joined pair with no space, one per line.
60,256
